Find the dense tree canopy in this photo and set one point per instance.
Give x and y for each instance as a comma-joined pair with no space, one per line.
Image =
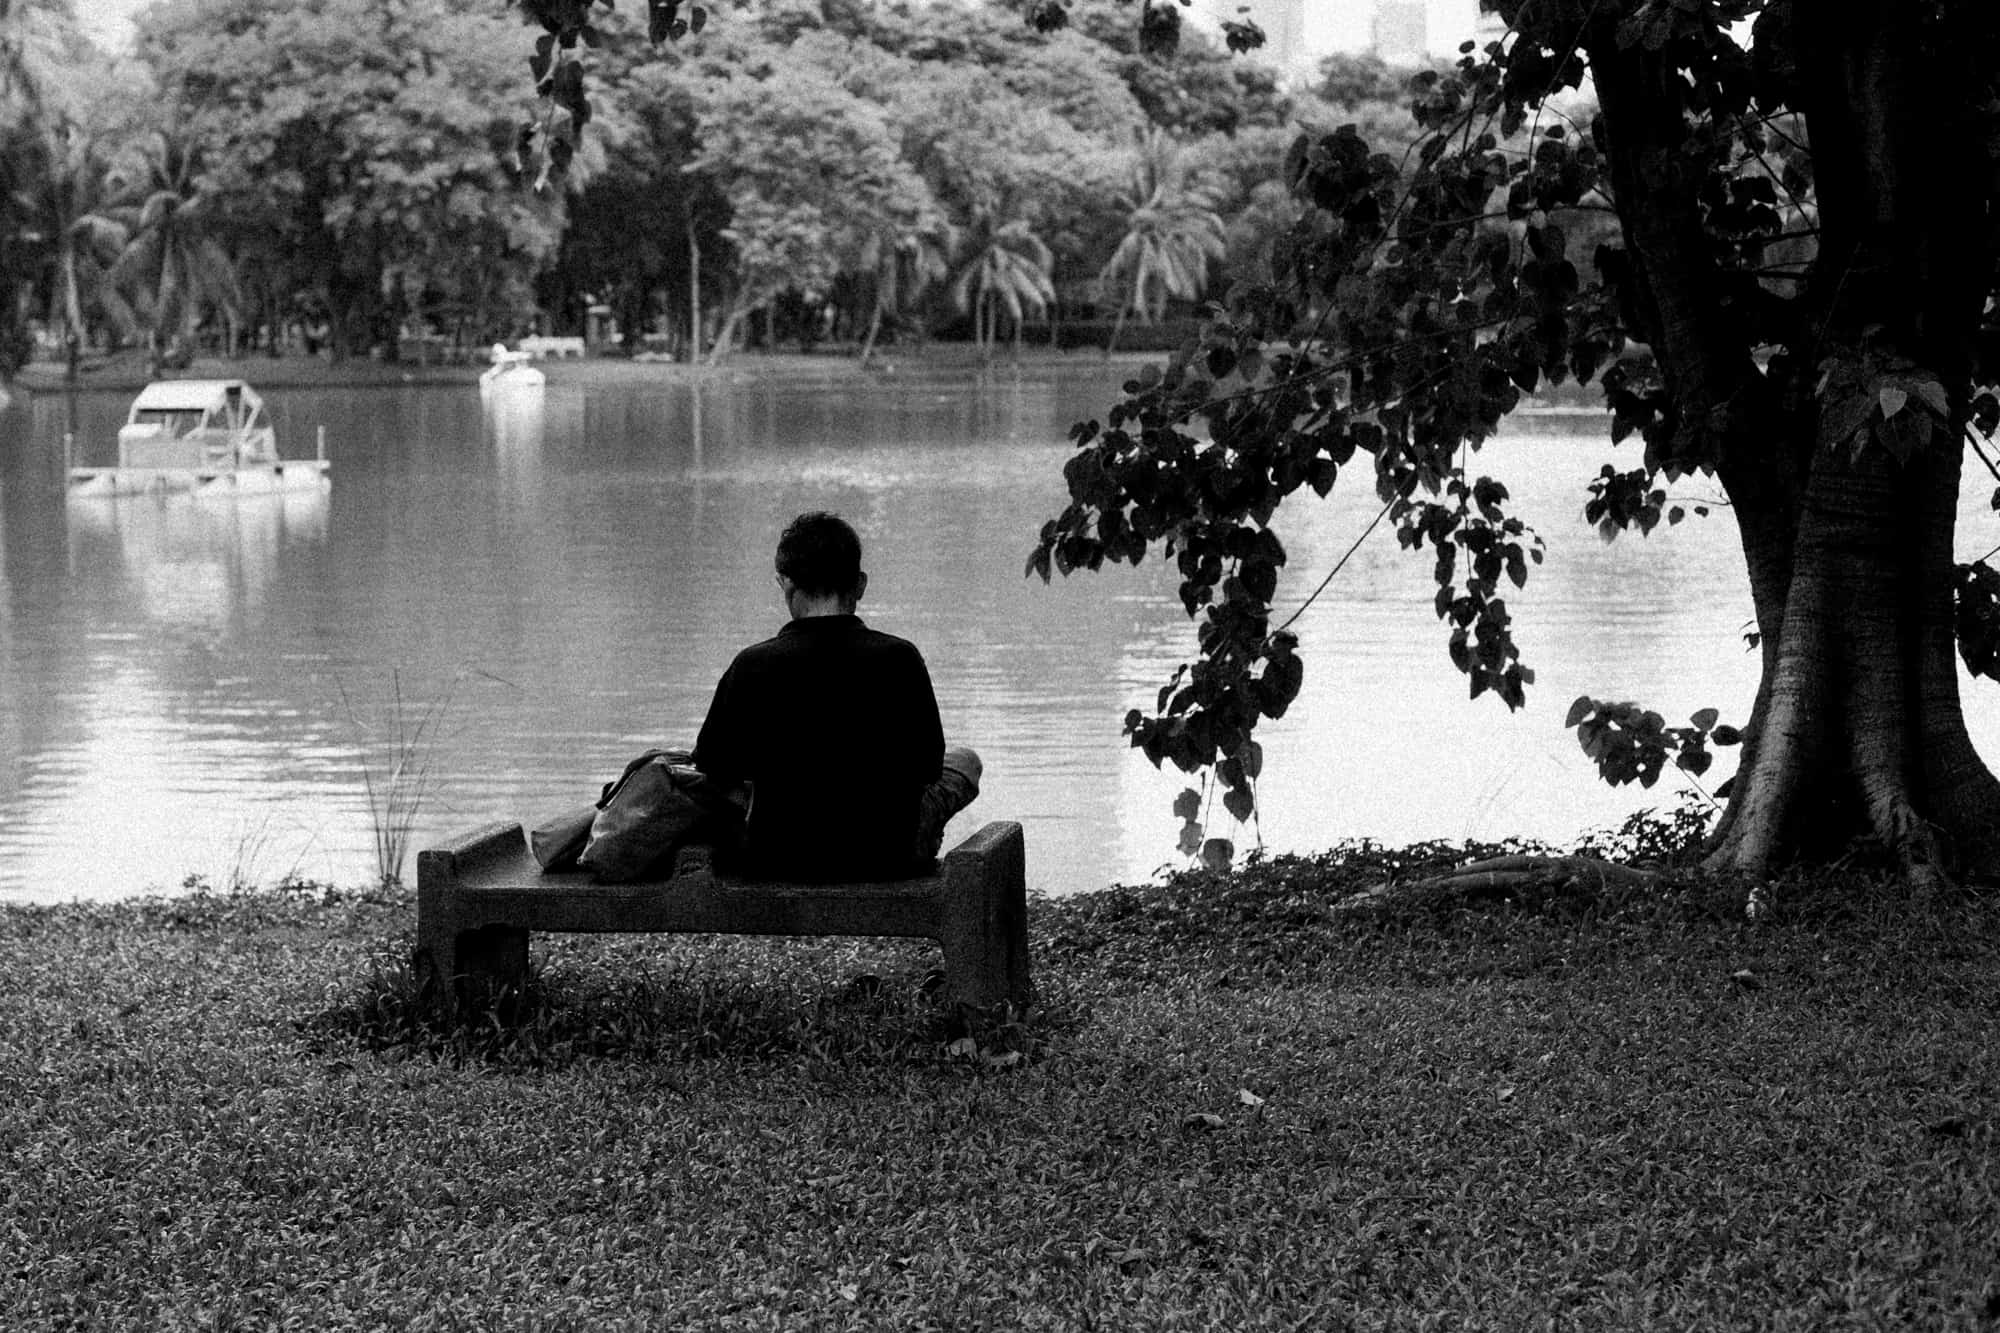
1803,324
371,138
369,165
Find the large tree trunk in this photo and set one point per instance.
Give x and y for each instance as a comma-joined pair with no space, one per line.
1857,720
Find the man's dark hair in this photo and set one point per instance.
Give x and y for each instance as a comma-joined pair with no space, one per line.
821,555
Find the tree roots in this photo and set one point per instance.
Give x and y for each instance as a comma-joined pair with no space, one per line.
1501,875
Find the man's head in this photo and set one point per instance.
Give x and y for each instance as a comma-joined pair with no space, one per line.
819,565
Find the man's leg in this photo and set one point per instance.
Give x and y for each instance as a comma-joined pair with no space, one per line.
954,789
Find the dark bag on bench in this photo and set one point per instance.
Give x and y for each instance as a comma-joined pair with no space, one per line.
557,840
660,804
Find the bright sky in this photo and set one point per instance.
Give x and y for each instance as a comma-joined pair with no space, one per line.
1349,25
1331,25
109,22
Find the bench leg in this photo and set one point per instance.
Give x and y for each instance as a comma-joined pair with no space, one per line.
470,967
456,963
985,926
492,960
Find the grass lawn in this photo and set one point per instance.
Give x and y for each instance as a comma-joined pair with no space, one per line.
1236,1108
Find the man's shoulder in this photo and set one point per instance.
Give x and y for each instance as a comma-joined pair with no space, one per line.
892,653
747,659
886,641
856,645
762,648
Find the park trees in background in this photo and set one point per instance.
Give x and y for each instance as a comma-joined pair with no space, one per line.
1005,129
1171,234
1188,84
635,235
40,46
71,207
374,138
1830,401
358,162
902,265
812,174
172,257
46,130
1005,272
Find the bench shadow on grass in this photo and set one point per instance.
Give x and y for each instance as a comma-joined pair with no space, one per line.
688,1000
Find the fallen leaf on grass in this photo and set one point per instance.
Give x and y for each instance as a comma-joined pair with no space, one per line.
1248,1098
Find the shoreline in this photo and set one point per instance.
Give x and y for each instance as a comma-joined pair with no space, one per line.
128,374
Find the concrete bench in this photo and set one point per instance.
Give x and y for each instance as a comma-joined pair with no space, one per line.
479,897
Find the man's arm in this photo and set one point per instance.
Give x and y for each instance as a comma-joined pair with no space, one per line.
926,756
719,749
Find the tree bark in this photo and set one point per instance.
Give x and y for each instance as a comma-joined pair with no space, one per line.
1857,722
72,312
874,325
694,295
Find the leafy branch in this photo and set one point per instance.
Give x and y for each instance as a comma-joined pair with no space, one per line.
1406,319
1632,744
558,71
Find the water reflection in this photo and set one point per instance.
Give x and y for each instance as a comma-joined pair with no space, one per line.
192,560
575,568
512,423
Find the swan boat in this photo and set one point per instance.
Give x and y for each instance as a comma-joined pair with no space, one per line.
209,437
510,370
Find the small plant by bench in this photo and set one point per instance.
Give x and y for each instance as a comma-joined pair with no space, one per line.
482,894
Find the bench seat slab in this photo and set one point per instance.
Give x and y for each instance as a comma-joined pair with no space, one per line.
481,895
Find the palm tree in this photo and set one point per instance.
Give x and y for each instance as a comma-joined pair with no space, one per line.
71,207
39,58
34,35
905,264
1008,270
1172,231
174,264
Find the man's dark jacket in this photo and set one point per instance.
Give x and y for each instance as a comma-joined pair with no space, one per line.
836,727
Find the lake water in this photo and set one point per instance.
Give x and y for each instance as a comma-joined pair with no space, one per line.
555,582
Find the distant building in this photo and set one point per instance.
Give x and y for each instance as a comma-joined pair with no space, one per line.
1402,34
1298,34
1284,25
1488,28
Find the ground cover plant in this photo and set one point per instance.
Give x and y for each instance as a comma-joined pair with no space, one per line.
1239,1104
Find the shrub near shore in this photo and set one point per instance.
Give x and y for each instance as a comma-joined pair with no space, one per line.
1238,1107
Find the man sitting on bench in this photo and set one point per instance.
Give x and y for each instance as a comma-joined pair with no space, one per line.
834,729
